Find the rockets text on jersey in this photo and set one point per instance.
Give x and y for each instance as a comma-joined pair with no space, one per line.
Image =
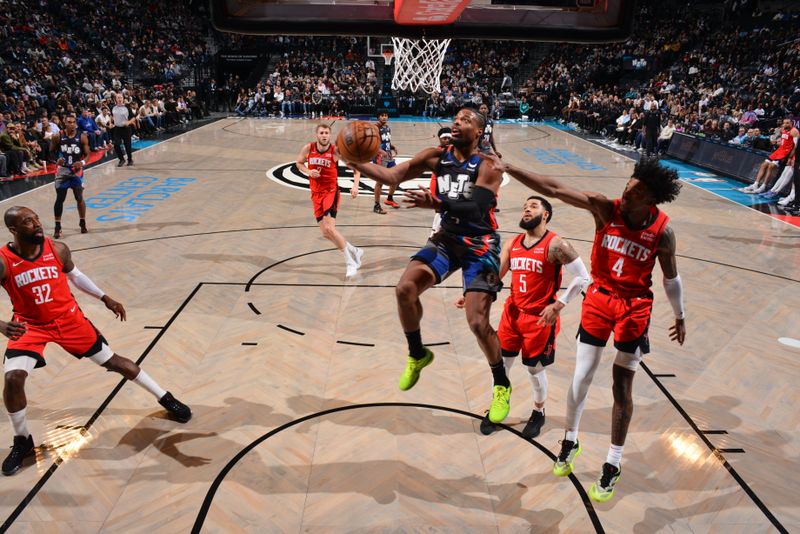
534,280
38,288
325,163
623,258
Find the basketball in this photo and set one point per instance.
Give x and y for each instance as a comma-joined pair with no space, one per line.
359,141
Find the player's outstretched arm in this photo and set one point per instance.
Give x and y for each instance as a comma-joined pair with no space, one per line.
408,170
505,258
673,286
11,329
596,203
84,283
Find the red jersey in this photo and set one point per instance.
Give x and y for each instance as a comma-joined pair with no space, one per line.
786,146
326,165
534,280
623,259
38,288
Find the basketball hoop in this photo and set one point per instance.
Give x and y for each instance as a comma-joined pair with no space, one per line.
418,65
387,56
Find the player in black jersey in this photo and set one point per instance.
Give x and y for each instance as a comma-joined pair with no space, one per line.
487,143
487,139
72,148
385,158
467,240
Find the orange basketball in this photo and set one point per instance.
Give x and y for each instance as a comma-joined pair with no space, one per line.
359,141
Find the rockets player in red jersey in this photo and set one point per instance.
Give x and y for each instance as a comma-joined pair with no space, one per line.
790,138
530,321
631,233
34,271
319,160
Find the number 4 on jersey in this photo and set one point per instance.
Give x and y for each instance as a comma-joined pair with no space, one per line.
617,268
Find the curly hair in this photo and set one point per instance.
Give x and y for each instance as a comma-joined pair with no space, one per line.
662,182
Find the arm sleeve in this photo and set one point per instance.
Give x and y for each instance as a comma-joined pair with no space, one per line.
84,283
579,282
674,290
482,200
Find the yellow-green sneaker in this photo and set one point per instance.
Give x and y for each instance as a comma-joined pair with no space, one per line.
501,403
413,368
564,463
603,489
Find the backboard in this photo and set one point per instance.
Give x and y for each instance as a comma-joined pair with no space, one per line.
580,21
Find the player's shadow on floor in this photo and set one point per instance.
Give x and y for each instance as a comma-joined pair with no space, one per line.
396,420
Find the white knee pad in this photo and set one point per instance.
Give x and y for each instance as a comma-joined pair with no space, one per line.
19,363
103,355
628,360
539,382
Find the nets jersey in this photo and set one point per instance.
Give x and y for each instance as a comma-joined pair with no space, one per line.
326,164
622,258
486,139
38,288
69,148
455,181
386,137
534,280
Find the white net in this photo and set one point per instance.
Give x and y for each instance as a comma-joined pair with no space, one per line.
418,63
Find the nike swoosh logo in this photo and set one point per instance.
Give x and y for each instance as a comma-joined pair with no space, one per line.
15,264
471,166
515,248
615,225
72,310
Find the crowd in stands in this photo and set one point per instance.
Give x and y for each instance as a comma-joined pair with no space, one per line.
59,59
727,75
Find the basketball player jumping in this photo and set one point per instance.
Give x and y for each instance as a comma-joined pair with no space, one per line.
631,232
72,148
319,161
385,158
467,240
34,271
530,322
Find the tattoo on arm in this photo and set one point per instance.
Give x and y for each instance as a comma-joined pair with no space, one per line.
562,252
666,253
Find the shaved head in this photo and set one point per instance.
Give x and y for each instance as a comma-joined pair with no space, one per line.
12,214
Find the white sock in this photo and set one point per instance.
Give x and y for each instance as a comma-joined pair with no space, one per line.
19,422
144,380
508,362
572,435
587,358
614,455
538,377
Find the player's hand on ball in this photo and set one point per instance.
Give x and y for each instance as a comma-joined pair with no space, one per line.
459,303
550,313
13,330
677,332
421,198
116,307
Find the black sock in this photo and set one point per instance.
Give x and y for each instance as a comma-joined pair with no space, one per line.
58,225
82,223
415,348
499,374
389,197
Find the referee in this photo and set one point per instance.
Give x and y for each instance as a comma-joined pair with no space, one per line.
122,130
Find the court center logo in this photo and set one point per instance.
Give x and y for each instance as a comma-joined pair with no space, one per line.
287,174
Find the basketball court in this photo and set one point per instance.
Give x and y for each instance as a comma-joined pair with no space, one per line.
238,306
